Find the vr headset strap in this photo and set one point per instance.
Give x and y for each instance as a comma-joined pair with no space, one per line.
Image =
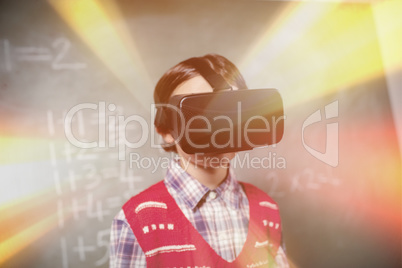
216,80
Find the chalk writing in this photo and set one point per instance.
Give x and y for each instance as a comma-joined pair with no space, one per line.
58,55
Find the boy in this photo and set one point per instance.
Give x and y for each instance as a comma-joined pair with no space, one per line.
200,215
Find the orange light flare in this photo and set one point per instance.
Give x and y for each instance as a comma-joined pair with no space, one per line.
323,48
27,219
370,172
102,28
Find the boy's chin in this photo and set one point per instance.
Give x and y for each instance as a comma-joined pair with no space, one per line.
207,160
213,160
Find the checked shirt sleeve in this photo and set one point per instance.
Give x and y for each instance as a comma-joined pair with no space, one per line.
281,259
124,250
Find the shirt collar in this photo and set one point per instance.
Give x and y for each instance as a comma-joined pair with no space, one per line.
191,191
229,190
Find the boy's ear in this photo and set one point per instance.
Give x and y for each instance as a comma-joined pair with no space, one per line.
167,137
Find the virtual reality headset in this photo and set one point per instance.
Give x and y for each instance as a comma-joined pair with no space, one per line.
224,120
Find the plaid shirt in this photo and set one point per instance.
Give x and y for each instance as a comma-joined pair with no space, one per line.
221,216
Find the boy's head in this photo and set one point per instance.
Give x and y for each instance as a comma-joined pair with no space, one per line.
184,78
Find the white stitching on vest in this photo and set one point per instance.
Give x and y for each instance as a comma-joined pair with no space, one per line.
166,249
261,244
270,224
268,205
256,264
150,204
146,229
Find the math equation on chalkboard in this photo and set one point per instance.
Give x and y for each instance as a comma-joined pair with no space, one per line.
57,55
85,190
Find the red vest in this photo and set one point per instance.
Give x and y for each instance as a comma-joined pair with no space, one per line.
168,239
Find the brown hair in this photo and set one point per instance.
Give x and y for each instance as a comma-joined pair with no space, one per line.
185,70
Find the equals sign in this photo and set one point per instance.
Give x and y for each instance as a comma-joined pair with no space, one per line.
33,54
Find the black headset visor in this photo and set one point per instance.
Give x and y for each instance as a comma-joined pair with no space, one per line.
225,121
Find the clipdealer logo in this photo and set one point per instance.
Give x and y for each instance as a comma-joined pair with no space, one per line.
330,156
